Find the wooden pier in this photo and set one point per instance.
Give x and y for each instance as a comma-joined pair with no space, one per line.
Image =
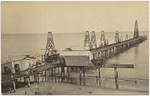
108,51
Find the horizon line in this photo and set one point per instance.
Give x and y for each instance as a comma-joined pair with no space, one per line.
68,33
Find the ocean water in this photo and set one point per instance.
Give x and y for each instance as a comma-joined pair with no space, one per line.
18,45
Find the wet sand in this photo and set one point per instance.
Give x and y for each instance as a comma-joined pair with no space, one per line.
55,88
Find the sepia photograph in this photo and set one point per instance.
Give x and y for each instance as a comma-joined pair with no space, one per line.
74,48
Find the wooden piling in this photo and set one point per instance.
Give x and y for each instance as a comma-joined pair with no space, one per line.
55,73
42,76
84,76
116,78
45,75
80,78
62,73
38,77
28,81
52,74
14,85
58,73
99,76
109,53
97,82
68,74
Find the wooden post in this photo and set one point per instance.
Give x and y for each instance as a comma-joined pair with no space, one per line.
62,73
24,79
14,84
99,76
42,76
28,80
52,74
58,74
45,75
38,77
105,54
116,78
80,77
55,73
42,58
68,74
83,76
110,53
49,74
113,51
58,69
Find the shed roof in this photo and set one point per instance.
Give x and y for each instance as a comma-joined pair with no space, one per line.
78,61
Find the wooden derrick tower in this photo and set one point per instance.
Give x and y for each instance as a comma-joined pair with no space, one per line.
87,41
136,31
102,39
126,37
93,43
117,36
50,47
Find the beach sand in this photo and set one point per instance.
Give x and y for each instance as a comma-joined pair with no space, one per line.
55,88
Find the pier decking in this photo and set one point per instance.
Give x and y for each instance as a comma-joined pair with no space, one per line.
111,50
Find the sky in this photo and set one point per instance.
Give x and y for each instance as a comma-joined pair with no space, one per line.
32,17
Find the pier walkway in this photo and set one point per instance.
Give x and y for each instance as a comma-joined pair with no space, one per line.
108,51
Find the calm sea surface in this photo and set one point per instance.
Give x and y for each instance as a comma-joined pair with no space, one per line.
18,45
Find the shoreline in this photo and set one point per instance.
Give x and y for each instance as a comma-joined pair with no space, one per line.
55,88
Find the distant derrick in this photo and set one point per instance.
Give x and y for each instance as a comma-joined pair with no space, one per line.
106,41
136,31
117,36
87,41
102,39
126,37
50,47
93,43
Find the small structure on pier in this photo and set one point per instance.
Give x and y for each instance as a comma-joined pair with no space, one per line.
77,57
18,65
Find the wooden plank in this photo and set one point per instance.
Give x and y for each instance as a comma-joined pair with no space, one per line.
118,66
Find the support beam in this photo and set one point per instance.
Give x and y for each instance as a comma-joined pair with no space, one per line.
52,74
45,75
84,76
116,78
55,73
99,76
80,77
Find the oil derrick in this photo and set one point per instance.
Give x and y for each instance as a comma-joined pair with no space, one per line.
136,31
102,39
93,43
87,41
106,41
117,36
126,37
50,47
